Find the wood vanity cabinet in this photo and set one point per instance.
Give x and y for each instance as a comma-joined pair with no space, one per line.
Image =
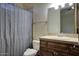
53,48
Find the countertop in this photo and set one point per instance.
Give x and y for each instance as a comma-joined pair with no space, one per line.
63,39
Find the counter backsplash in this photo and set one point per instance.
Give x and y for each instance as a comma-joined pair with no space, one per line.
68,35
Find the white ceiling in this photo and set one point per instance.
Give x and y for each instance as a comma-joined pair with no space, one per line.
31,5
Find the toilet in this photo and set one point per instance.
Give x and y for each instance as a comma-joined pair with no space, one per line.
36,44
33,52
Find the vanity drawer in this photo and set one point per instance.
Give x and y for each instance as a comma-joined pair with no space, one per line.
57,47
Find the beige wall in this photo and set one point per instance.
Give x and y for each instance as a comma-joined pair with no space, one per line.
39,21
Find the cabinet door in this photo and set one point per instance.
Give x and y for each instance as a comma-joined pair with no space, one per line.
45,53
60,53
74,50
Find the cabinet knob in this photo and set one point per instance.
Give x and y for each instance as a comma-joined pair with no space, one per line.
74,46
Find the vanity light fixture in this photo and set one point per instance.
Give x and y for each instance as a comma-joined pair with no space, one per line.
59,5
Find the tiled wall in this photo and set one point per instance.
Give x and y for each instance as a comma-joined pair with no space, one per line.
39,22
39,29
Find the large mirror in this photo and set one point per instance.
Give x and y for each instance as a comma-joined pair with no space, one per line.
62,20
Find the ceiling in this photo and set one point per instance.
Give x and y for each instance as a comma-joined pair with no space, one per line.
25,5
31,5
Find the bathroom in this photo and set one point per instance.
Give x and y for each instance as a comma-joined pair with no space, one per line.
39,29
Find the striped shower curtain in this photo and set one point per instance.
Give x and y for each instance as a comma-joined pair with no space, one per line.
15,30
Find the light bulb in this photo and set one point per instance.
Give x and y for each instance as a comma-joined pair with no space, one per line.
70,4
72,7
56,7
62,5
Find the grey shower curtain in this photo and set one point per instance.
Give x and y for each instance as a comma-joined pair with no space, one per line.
15,30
